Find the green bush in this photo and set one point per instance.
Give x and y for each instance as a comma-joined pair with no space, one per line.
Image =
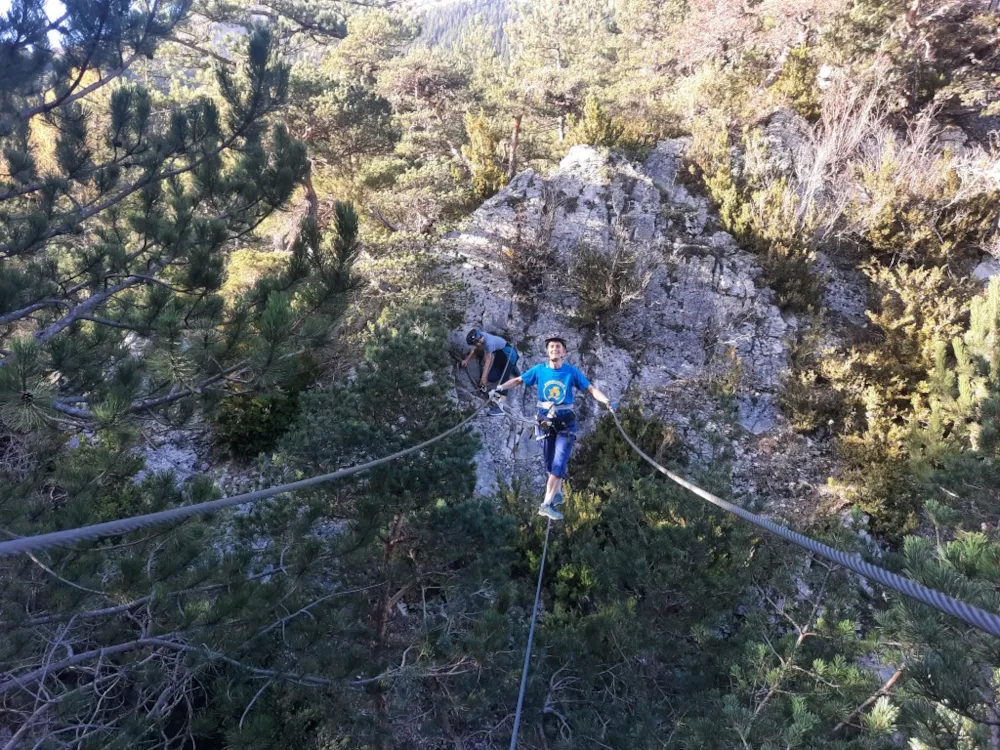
881,483
483,156
807,398
604,452
797,82
596,126
247,426
922,210
766,218
606,283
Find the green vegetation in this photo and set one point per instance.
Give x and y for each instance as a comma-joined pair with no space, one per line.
218,215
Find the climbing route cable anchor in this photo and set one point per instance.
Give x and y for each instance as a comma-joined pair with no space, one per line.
974,616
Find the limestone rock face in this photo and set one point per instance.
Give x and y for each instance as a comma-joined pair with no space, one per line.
685,328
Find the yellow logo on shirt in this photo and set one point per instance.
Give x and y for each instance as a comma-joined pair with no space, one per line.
554,391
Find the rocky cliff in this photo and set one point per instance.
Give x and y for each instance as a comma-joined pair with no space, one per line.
657,305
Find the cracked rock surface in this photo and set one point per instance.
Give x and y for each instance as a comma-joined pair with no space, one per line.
699,335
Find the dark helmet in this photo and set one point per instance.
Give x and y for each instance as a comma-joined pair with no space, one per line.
474,335
560,339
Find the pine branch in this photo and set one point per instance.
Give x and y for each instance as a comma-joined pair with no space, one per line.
23,190
111,323
70,98
253,700
884,690
306,608
373,210
71,661
71,94
201,50
83,309
160,642
95,208
89,614
26,311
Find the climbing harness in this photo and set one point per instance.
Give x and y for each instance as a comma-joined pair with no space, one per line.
531,638
974,616
555,421
121,526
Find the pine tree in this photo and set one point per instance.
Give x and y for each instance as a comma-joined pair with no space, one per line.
957,447
559,51
373,39
596,127
118,221
950,692
119,218
481,153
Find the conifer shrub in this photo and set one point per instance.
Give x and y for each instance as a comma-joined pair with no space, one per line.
920,207
765,216
881,482
526,263
797,82
604,450
606,283
913,397
248,266
808,399
248,424
482,154
596,126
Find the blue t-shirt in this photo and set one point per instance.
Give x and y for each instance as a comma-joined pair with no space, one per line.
556,386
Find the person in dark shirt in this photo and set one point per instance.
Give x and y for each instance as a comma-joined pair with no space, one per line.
556,429
499,361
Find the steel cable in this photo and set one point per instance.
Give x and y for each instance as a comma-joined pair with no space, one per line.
121,526
974,616
531,638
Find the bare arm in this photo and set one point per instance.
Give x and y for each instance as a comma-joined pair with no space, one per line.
487,364
512,383
599,395
470,355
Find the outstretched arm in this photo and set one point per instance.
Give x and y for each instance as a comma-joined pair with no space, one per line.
599,395
512,383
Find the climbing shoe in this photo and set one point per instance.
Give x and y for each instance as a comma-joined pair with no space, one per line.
558,499
495,411
549,512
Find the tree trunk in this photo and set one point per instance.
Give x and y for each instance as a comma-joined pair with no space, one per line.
385,603
514,133
311,198
562,127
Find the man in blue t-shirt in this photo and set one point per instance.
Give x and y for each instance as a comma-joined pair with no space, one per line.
556,428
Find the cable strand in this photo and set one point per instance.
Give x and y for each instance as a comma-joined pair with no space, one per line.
531,638
124,525
974,616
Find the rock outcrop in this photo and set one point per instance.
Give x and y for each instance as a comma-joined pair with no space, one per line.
685,328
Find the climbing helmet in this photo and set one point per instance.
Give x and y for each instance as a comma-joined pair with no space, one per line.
560,339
